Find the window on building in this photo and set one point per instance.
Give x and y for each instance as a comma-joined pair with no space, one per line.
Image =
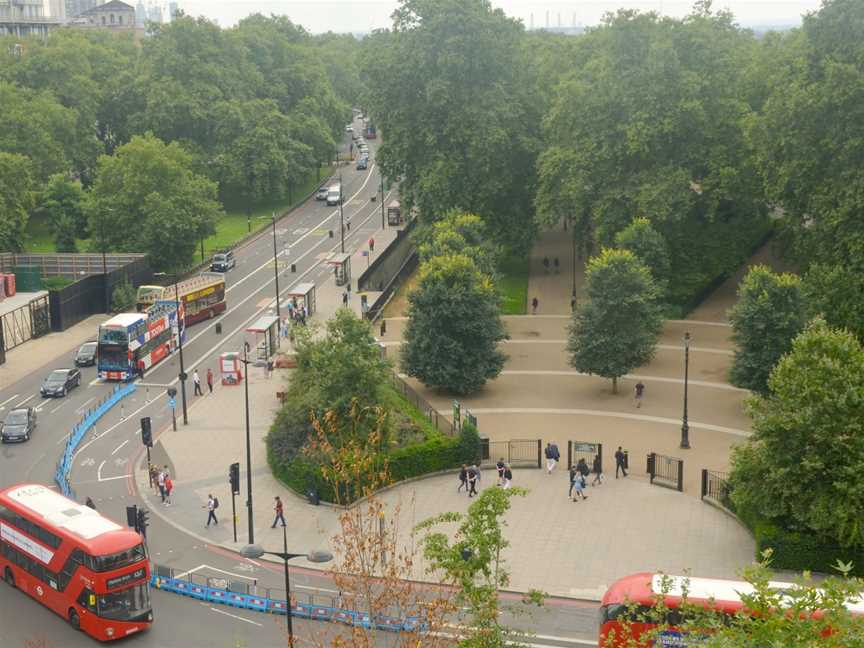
112,19
103,20
120,18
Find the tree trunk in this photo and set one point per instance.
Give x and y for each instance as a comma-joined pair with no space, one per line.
614,385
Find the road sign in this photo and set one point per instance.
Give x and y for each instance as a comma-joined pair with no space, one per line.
172,403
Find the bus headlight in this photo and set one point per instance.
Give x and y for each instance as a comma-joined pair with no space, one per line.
109,632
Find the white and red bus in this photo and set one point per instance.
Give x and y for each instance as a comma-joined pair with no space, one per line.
632,596
132,342
203,296
89,570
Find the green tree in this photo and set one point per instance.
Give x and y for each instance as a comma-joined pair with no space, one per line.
615,329
808,424
473,564
836,293
458,233
454,327
447,85
769,313
61,203
146,198
648,245
16,200
124,297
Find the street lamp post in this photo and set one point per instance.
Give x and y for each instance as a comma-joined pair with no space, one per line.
685,429
341,217
254,551
248,448
276,268
382,199
180,348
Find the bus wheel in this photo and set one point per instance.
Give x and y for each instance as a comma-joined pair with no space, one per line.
74,620
9,577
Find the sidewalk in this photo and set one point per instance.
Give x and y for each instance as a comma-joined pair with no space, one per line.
552,289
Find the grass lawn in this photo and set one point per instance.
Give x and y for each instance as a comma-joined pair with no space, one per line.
513,277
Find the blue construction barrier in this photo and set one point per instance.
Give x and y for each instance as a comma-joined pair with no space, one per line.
79,431
277,606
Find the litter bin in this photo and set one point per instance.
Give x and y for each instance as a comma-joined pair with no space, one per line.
218,328
312,496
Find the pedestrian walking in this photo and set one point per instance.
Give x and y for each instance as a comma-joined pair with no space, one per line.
535,304
169,486
584,470
508,476
161,481
545,265
371,243
211,506
463,479
89,502
197,380
472,481
552,457
639,392
597,469
269,367
500,468
210,380
344,298
556,264
572,304
280,517
141,369
620,462
579,487
573,474
479,474
154,477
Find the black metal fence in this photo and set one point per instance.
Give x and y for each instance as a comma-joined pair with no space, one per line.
438,420
715,487
519,453
375,277
666,471
577,450
32,320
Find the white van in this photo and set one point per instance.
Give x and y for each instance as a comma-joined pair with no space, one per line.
334,195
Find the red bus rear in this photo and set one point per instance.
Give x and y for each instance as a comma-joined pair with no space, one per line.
86,568
635,595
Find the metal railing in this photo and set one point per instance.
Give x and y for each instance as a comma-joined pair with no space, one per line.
666,471
519,453
716,487
444,425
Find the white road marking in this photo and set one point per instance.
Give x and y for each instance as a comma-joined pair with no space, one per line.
63,438
234,616
99,471
84,405
94,382
104,479
90,461
117,449
29,398
191,571
63,404
7,400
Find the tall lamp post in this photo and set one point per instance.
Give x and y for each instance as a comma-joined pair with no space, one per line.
276,268
248,447
685,429
382,198
254,551
182,375
341,217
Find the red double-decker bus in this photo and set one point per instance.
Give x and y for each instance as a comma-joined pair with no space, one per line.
89,570
631,597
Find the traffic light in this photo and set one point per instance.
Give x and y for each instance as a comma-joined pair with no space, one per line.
132,516
146,432
234,478
143,514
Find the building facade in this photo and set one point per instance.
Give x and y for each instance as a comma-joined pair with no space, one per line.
75,8
111,15
24,18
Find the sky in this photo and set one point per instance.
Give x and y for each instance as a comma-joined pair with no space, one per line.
360,16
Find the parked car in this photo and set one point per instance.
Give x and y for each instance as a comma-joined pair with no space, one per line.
223,261
19,425
59,382
322,193
362,164
86,356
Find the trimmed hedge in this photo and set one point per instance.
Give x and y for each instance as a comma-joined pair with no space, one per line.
800,551
433,455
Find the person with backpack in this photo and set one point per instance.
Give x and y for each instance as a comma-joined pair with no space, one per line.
574,475
463,479
211,506
552,457
584,470
597,469
169,486
500,468
578,485
472,481
508,476
638,393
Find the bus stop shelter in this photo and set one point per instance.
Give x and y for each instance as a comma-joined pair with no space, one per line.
341,264
266,331
304,295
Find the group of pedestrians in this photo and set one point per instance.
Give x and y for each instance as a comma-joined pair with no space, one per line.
296,314
162,481
196,380
469,478
555,263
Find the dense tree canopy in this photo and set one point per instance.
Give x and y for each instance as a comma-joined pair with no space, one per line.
803,466
16,198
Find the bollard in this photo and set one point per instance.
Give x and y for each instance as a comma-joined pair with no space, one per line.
293,267
331,233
